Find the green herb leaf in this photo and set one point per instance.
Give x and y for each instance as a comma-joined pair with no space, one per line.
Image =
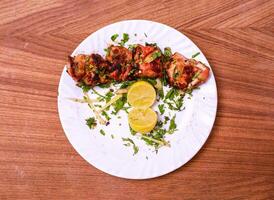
104,113
195,55
102,132
97,93
161,108
161,93
108,96
167,52
132,131
107,50
165,78
119,104
112,136
114,37
130,141
91,122
84,87
166,119
131,47
150,80
126,84
106,85
125,39
174,99
172,125
156,54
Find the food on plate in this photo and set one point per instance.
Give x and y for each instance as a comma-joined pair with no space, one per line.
123,64
135,77
142,120
185,73
141,95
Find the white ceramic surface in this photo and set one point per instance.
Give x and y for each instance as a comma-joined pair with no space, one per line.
110,155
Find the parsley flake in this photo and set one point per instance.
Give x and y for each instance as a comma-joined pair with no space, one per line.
114,37
91,122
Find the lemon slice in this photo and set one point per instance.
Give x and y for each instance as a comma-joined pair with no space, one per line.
142,120
141,95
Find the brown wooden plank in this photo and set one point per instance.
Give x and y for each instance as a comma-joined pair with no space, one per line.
36,159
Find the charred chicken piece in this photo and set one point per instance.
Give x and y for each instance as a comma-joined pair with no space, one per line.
186,73
148,61
89,69
121,62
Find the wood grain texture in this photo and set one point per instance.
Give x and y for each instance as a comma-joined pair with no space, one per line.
36,159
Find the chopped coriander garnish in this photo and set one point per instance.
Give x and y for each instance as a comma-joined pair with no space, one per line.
170,94
172,125
132,47
167,52
114,37
126,84
91,122
132,131
156,54
97,105
97,93
161,93
124,40
102,132
166,119
84,87
112,136
189,91
107,50
165,78
161,108
174,99
108,96
130,141
153,82
119,104
106,85
195,55
104,113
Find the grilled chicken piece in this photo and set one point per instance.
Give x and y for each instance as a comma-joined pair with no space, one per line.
148,61
89,69
186,73
121,62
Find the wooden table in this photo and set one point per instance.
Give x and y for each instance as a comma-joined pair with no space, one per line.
38,162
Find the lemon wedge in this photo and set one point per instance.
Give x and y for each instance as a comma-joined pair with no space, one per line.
142,120
141,95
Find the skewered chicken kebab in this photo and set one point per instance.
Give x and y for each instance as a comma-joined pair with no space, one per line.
122,64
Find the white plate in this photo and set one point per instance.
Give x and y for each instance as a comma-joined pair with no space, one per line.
110,155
